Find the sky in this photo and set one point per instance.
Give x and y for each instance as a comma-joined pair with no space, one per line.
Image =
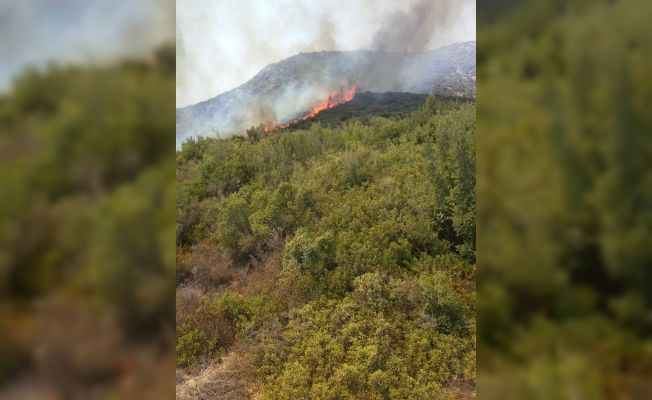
223,43
36,32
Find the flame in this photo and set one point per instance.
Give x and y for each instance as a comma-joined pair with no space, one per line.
335,97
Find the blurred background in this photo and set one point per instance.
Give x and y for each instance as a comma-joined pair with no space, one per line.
87,232
564,199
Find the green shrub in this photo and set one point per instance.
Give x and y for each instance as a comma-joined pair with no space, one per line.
373,224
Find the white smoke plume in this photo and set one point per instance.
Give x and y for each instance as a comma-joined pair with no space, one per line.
223,43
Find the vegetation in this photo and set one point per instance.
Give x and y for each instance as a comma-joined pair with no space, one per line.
331,262
564,200
364,106
86,263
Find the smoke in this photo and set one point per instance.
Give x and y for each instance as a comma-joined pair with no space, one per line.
413,30
223,43
325,34
283,91
241,111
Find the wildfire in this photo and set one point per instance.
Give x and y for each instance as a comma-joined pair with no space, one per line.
335,97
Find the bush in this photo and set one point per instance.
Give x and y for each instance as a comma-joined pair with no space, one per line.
209,330
373,225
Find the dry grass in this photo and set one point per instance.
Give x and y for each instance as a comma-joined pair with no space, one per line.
259,276
233,376
205,266
462,391
189,299
230,379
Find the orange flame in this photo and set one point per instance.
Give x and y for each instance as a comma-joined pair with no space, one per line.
335,97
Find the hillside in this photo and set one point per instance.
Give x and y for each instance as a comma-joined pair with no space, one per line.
330,262
364,106
287,87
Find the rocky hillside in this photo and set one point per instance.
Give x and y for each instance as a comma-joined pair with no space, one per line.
281,90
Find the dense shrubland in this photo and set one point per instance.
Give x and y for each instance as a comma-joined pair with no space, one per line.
331,262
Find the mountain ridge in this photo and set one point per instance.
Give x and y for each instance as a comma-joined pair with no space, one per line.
283,88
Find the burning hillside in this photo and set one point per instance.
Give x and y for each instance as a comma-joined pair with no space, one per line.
280,91
335,97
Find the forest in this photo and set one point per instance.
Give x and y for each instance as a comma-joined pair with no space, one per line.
330,262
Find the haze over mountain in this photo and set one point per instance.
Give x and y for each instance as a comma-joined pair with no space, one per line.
283,90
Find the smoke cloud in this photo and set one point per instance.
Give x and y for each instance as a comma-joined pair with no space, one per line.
221,44
413,30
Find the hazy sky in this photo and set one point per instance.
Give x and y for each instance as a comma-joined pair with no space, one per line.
34,32
223,43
